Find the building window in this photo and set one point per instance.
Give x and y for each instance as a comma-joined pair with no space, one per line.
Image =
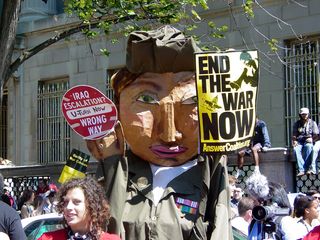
4,125
301,81
53,132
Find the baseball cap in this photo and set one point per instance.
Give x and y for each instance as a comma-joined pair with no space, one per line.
53,187
304,111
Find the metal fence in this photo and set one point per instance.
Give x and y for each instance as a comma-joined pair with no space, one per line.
301,81
16,185
19,178
53,132
302,184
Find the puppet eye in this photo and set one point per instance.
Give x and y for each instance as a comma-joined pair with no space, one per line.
147,98
190,100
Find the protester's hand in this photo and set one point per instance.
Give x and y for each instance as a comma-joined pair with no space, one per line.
46,194
294,143
264,149
112,144
309,140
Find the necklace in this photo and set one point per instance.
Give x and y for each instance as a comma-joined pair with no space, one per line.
78,236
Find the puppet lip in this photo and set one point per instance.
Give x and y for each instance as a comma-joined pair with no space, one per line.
166,151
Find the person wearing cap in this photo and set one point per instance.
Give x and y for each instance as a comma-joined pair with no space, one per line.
305,130
160,188
50,202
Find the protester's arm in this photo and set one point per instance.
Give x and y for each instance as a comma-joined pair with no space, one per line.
24,211
309,138
315,131
317,136
294,138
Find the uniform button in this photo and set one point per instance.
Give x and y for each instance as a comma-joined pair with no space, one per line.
142,181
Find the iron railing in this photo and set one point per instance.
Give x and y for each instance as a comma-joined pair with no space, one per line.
301,82
53,132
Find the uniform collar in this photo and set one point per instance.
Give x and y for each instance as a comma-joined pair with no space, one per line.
140,176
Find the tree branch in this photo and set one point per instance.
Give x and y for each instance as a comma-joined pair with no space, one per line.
31,52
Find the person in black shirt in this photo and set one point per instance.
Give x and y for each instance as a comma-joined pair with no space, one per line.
10,222
305,131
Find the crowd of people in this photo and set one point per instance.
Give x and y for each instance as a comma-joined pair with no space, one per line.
299,220
33,203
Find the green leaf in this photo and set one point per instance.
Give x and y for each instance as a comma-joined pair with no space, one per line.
204,4
273,44
211,24
248,8
195,14
105,52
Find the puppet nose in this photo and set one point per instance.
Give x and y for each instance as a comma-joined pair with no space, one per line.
168,133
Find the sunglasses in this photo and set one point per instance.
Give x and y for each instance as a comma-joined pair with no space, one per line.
316,197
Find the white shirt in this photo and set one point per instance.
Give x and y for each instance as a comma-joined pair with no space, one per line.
240,224
294,228
163,175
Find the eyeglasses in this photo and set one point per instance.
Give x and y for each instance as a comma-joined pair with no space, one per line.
316,197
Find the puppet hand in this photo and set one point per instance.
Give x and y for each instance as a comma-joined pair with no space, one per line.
112,144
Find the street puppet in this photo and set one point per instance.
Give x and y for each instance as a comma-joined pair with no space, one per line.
157,184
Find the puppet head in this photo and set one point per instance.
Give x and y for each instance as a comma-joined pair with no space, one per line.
156,96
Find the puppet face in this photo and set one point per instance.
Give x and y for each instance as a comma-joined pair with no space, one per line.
158,113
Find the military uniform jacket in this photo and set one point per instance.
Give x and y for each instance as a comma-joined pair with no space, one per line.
194,205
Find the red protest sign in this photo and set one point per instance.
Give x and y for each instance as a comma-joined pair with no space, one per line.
88,111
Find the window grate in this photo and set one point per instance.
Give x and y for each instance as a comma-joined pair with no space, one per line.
301,81
109,90
53,132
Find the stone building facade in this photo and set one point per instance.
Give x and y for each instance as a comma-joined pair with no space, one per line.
35,132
